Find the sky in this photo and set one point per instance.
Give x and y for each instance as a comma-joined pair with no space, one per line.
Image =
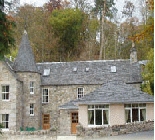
41,2
119,3
34,2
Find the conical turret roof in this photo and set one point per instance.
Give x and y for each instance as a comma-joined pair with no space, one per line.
25,61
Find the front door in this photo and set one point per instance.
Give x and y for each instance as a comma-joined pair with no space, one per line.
46,121
74,122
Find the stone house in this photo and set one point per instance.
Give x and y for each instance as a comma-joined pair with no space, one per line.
60,95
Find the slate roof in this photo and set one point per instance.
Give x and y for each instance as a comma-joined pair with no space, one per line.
9,65
25,59
110,93
98,72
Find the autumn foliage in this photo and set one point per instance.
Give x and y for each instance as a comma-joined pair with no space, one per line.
7,24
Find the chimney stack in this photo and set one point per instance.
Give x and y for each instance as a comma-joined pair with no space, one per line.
133,53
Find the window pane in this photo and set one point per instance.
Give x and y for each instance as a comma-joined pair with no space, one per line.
90,106
45,91
98,115
127,105
142,114
7,88
7,125
105,117
31,89
91,117
47,99
127,116
3,88
142,105
134,105
3,96
135,115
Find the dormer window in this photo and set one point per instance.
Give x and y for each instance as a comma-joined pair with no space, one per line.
87,69
75,69
46,72
113,68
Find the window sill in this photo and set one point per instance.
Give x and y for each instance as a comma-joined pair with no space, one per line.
45,102
98,126
31,115
6,100
5,129
31,93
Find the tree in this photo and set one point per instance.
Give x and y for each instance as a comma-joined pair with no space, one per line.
148,34
53,4
148,74
36,21
7,24
67,25
105,8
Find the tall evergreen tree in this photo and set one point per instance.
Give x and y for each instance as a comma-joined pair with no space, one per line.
6,31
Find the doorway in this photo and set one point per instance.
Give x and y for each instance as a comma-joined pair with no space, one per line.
46,121
74,122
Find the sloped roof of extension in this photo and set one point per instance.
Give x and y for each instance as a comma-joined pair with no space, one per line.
89,72
110,93
25,59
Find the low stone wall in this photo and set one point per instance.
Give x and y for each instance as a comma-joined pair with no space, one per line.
114,130
31,135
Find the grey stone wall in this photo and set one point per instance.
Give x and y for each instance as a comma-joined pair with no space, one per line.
24,135
19,111
58,95
27,98
13,105
114,130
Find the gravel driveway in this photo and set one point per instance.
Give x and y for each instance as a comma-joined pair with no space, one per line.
146,135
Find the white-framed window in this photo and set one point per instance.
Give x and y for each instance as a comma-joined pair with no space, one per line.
5,121
113,69
31,109
98,115
80,92
135,112
46,72
5,92
45,95
31,87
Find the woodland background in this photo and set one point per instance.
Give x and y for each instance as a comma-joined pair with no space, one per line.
76,30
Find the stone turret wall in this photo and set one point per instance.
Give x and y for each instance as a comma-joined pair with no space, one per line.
27,99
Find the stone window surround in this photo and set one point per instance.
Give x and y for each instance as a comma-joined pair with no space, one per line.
104,107
139,106
80,92
5,93
31,87
31,109
45,97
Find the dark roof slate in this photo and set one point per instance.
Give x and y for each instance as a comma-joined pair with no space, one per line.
61,73
110,93
25,61
9,65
